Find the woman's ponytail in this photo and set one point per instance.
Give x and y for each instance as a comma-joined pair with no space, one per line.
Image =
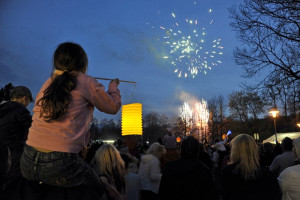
57,97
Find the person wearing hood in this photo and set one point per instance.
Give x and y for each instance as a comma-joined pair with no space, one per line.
150,172
15,121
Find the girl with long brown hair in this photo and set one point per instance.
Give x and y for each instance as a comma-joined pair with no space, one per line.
62,114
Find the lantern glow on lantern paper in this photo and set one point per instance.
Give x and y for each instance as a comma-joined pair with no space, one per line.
132,119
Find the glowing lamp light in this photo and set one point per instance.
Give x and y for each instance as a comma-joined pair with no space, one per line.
178,139
132,119
274,113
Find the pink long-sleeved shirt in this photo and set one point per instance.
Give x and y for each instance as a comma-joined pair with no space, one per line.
72,133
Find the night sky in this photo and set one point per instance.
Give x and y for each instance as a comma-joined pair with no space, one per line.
124,39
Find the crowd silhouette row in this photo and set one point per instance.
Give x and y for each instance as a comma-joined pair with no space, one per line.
49,155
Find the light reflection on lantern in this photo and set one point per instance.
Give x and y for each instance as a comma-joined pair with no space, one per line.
132,119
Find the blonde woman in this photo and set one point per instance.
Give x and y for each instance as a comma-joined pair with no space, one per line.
150,172
243,178
110,167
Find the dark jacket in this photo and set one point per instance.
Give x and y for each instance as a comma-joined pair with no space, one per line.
205,159
186,179
15,121
235,187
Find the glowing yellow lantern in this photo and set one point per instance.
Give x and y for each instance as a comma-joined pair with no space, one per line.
132,119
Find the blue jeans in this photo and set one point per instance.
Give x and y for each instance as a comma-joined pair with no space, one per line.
58,169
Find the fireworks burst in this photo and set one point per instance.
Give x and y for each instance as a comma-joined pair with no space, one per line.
196,116
186,114
188,50
201,113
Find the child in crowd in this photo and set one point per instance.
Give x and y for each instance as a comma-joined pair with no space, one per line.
62,114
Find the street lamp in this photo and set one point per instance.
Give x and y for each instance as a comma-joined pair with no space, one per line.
274,113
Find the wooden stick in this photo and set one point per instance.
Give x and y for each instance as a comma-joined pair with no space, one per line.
110,79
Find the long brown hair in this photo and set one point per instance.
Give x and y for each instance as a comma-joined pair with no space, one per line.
70,58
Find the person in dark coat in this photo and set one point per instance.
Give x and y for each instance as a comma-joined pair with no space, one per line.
266,155
204,157
187,178
243,178
15,121
5,163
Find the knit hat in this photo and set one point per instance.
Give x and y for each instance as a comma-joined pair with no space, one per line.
20,91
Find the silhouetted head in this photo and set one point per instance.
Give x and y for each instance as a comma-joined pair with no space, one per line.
21,94
287,144
190,148
268,147
126,159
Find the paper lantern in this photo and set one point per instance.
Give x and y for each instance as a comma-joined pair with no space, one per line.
132,119
224,136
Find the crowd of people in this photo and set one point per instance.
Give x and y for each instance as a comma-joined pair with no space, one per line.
48,155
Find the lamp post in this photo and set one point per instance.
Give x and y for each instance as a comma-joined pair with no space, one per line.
274,115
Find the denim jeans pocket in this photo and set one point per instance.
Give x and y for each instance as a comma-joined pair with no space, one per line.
57,168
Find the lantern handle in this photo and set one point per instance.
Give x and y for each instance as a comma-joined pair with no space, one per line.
110,79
